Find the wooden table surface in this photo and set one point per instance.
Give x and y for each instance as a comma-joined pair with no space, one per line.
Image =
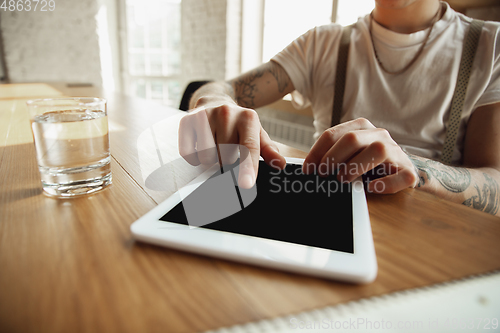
72,265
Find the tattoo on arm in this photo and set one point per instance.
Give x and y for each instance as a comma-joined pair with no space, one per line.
453,179
486,199
457,180
281,77
245,87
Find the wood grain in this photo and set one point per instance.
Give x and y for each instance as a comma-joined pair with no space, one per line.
72,265
27,90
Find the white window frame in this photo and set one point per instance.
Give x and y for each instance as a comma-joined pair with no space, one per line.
252,39
125,73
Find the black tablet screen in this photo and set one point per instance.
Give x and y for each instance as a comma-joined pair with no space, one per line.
289,207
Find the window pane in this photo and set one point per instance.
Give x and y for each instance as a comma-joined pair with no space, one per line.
154,48
157,90
285,20
136,37
174,92
140,88
349,11
155,63
167,91
137,64
135,28
155,34
173,62
173,23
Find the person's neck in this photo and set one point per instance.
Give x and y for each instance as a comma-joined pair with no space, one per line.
415,17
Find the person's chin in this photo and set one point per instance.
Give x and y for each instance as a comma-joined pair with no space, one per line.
395,4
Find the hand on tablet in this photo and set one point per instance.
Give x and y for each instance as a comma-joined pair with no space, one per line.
210,133
356,147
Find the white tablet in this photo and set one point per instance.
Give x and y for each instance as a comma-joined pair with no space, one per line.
300,223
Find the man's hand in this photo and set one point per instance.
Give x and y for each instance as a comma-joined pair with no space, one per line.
225,126
356,147
223,115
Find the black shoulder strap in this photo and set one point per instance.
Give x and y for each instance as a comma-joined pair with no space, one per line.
340,75
457,102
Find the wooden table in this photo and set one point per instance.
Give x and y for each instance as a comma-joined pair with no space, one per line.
72,265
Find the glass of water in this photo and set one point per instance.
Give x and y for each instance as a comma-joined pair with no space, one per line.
72,144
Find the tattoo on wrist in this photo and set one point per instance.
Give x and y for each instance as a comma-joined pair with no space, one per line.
486,198
453,179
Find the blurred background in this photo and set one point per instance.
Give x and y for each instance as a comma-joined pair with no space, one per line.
153,48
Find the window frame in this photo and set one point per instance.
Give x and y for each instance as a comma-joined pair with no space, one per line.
126,74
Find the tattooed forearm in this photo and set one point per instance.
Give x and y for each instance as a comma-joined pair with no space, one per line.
471,187
246,88
453,179
486,198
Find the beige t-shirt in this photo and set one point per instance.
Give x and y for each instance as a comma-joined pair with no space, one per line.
412,106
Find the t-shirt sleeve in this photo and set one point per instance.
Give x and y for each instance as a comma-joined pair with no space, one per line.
491,94
300,58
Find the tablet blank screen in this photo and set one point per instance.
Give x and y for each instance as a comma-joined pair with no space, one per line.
290,207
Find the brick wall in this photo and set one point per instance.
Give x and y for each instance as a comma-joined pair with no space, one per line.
63,45
233,38
59,45
210,39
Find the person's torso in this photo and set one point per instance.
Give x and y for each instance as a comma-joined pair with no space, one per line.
414,105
